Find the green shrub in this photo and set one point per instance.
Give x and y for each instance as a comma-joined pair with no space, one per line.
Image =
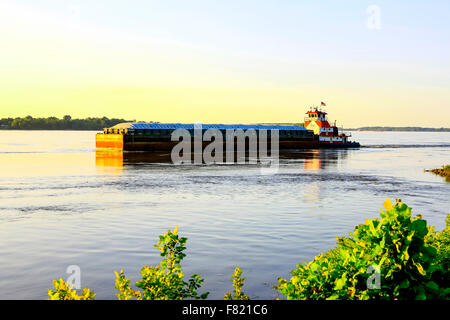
238,283
63,291
410,260
397,247
163,282
441,242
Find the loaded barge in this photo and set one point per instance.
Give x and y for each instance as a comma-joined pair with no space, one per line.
141,136
157,137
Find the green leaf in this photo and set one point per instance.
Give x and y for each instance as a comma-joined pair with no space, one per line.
420,226
432,285
314,267
383,242
404,284
421,296
340,283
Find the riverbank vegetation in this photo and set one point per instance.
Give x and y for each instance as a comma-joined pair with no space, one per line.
53,123
165,281
396,256
443,172
67,123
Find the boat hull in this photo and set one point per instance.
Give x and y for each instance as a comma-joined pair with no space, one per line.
340,145
127,142
164,144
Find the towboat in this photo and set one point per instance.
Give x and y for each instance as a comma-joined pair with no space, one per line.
330,136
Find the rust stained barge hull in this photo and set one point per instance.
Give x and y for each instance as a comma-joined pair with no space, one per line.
123,142
155,137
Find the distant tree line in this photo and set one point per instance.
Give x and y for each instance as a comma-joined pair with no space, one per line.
67,123
401,129
53,123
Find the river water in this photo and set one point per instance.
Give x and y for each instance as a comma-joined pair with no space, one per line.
63,204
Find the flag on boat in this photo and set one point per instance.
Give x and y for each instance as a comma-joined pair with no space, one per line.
322,103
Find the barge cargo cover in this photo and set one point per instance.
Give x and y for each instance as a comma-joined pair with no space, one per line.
142,136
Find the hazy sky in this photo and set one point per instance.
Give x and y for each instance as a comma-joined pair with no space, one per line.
372,62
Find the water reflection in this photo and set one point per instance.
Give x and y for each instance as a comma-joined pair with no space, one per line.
118,159
312,159
317,159
109,161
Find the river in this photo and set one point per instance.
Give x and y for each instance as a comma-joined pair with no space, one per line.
63,204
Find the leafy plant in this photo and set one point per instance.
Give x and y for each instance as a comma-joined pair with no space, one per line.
441,241
395,257
444,172
238,283
394,249
63,291
165,281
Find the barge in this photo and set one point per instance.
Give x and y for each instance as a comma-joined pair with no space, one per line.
142,136
157,137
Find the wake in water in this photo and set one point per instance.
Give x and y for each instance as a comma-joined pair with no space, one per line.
408,146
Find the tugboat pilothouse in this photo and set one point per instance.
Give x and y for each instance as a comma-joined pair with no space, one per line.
330,136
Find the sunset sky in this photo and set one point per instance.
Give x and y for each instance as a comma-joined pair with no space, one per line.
227,61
